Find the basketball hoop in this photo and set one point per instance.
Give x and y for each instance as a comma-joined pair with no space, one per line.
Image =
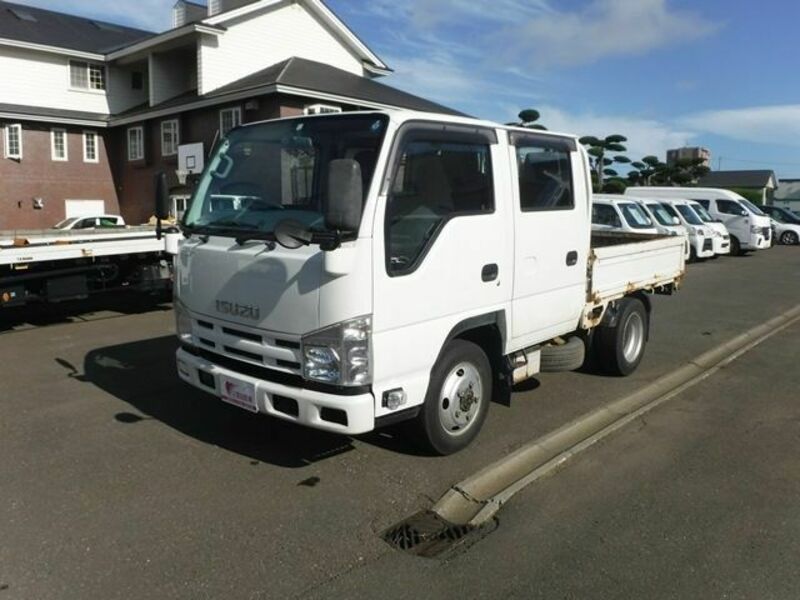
182,175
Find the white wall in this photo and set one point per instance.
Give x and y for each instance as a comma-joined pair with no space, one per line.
171,74
259,41
33,78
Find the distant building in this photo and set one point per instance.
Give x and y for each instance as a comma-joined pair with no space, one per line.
90,111
788,194
677,154
756,185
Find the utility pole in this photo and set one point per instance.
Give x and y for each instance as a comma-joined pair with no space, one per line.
719,163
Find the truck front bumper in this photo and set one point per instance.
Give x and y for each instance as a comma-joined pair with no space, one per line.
349,415
722,245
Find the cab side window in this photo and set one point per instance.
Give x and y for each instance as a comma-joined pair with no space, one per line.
603,214
704,203
729,207
545,178
434,182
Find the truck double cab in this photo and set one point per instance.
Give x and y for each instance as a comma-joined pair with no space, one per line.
390,266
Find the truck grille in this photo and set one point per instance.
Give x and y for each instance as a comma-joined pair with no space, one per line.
726,237
766,231
254,346
708,244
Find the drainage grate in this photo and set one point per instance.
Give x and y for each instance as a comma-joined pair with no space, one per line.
428,535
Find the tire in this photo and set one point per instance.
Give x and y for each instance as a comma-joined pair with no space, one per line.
567,357
692,255
444,426
620,349
789,238
736,247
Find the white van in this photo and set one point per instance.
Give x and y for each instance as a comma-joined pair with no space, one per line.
749,228
701,240
722,238
666,222
617,213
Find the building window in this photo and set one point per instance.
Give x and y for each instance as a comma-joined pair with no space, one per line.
13,141
321,109
87,76
228,119
136,143
90,147
58,145
170,138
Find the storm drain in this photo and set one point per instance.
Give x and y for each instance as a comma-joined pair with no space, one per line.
428,535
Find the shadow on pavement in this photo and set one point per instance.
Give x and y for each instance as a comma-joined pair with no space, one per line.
143,375
43,314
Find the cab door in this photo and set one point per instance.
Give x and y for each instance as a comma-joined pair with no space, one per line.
442,245
551,236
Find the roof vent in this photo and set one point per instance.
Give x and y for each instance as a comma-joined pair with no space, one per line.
22,14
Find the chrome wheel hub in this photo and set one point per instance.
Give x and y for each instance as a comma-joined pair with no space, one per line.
460,399
633,337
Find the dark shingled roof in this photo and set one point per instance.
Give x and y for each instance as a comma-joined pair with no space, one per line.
744,179
307,75
51,113
64,31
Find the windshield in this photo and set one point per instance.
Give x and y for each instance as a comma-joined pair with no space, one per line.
781,215
662,215
752,207
688,214
65,223
703,213
635,215
262,174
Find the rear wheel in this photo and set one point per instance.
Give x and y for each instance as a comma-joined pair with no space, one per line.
620,349
789,238
457,400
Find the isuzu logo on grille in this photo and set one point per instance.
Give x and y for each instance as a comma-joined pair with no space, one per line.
246,311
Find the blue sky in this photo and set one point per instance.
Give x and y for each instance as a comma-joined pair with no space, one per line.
716,73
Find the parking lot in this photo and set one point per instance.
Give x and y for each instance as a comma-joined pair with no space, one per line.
119,480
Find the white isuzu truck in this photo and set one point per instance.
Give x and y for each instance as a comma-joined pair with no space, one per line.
349,271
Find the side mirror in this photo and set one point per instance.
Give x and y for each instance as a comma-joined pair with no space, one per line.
676,221
162,196
345,195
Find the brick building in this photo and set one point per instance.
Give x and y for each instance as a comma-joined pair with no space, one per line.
90,111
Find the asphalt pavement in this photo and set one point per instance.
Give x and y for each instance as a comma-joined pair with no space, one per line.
119,481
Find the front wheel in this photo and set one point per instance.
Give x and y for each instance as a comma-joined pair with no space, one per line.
789,238
736,247
620,349
457,400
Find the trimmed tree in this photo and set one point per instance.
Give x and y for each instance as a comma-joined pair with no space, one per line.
602,154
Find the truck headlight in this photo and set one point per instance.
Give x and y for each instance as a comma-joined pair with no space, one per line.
699,231
183,323
339,354
754,229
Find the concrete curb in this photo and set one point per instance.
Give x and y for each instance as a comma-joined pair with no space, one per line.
477,498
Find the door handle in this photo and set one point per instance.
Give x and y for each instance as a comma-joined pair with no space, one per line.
572,258
489,272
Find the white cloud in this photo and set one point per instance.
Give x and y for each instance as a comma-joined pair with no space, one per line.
152,15
433,13
645,136
762,124
603,29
